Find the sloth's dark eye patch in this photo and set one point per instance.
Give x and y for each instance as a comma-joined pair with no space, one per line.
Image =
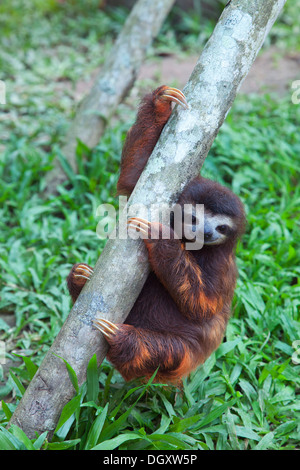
223,229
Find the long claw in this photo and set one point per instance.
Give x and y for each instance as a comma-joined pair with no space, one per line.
102,331
81,275
142,225
84,267
139,228
106,327
83,271
110,323
173,94
139,219
137,224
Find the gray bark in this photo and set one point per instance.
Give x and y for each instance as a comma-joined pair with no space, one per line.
113,82
122,268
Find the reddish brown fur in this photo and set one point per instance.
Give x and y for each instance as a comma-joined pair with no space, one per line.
75,284
180,316
141,139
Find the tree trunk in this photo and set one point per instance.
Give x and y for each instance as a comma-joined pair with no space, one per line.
113,82
122,268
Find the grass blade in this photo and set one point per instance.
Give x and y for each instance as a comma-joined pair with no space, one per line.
21,436
266,442
96,429
92,380
68,410
71,372
111,444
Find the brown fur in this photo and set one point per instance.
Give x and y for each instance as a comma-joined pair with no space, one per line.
181,314
141,139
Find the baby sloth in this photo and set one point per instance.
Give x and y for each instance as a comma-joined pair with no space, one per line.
181,314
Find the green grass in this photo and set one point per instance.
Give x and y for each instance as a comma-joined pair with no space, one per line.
246,396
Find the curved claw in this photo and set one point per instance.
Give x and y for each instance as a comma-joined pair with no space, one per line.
142,225
106,327
85,267
139,219
83,271
81,275
139,223
173,94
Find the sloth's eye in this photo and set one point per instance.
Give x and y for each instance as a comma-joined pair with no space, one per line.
222,229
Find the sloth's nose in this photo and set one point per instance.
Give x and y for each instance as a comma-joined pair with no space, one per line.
208,230
207,235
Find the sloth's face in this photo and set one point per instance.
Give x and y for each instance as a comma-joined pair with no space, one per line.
212,214
212,229
217,228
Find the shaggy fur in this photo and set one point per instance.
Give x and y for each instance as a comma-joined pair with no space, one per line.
181,314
